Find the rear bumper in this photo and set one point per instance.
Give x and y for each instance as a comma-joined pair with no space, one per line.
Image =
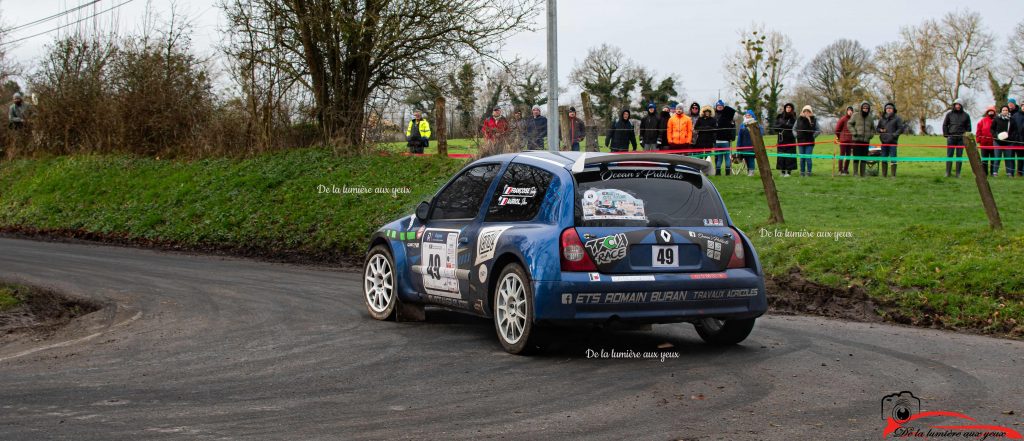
668,298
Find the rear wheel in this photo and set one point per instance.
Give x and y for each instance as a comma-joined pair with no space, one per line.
379,283
513,309
724,332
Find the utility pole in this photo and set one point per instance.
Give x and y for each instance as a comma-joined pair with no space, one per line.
553,75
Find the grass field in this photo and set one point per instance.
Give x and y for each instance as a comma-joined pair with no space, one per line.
919,241
7,298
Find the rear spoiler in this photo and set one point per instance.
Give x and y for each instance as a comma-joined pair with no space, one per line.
584,160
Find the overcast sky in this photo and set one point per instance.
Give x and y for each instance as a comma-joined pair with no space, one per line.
688,38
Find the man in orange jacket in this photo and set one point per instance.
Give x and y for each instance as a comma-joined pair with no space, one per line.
680,129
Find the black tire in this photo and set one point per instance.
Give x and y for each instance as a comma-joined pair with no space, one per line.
380,308
724,332
513,311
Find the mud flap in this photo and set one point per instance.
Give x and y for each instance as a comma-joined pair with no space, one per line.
406,312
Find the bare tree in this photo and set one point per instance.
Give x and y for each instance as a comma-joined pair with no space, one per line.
965,49
345,52
759,69
609,77
780,61
920,76
527,84
745,69
838,75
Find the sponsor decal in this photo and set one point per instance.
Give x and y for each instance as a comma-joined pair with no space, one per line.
659,296
440,254
610,203
516,195
608,249
642,174
904,419
646,278
487,241
482,273
714,250
595,277
447,301
709,276
401,235
714,222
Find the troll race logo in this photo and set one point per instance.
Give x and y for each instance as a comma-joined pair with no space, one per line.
904,419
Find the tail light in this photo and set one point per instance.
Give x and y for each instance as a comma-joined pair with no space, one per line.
739,257
573,254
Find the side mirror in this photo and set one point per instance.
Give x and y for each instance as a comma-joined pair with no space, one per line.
422,210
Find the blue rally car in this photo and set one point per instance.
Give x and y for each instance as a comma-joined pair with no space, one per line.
539,239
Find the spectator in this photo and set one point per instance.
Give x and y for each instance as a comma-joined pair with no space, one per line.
725,135
577,130
416,133
495,133
956,123
704,132
983,133
694,113
806,129
784,123
536,130
679,130
17,117
517,129
890,126
862,128
745,144
845,141
1005,129
666,113
1018,118
649,128
621,135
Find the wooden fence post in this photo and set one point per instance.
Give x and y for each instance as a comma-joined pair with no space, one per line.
441,127
590,122
981,178
774,207
563,127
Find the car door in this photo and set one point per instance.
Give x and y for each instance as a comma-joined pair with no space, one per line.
442,264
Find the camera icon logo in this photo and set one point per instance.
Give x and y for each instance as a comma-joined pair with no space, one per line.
900,406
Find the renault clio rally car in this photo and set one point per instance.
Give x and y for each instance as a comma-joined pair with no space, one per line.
540,239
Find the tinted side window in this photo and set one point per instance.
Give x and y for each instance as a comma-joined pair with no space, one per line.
519,195
462,199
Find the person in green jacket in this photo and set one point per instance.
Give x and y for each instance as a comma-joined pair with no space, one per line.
417,133
862,127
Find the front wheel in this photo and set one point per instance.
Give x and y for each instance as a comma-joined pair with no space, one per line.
513,309
724,332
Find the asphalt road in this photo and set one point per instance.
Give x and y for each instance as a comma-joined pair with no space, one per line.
211,348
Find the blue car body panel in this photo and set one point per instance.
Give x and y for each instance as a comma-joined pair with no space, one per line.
464,253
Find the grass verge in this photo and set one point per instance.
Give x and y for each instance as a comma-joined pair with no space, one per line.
919,245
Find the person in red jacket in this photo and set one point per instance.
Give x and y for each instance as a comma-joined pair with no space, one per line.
495,130
845,140
984,135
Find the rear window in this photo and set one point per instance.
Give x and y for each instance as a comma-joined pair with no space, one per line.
645,197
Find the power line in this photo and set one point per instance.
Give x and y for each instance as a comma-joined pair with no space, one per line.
54,16
68,24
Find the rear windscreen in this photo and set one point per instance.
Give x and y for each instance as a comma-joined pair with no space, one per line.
645,197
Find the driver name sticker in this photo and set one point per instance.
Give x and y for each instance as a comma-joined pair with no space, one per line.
440,256
610,203
516,195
